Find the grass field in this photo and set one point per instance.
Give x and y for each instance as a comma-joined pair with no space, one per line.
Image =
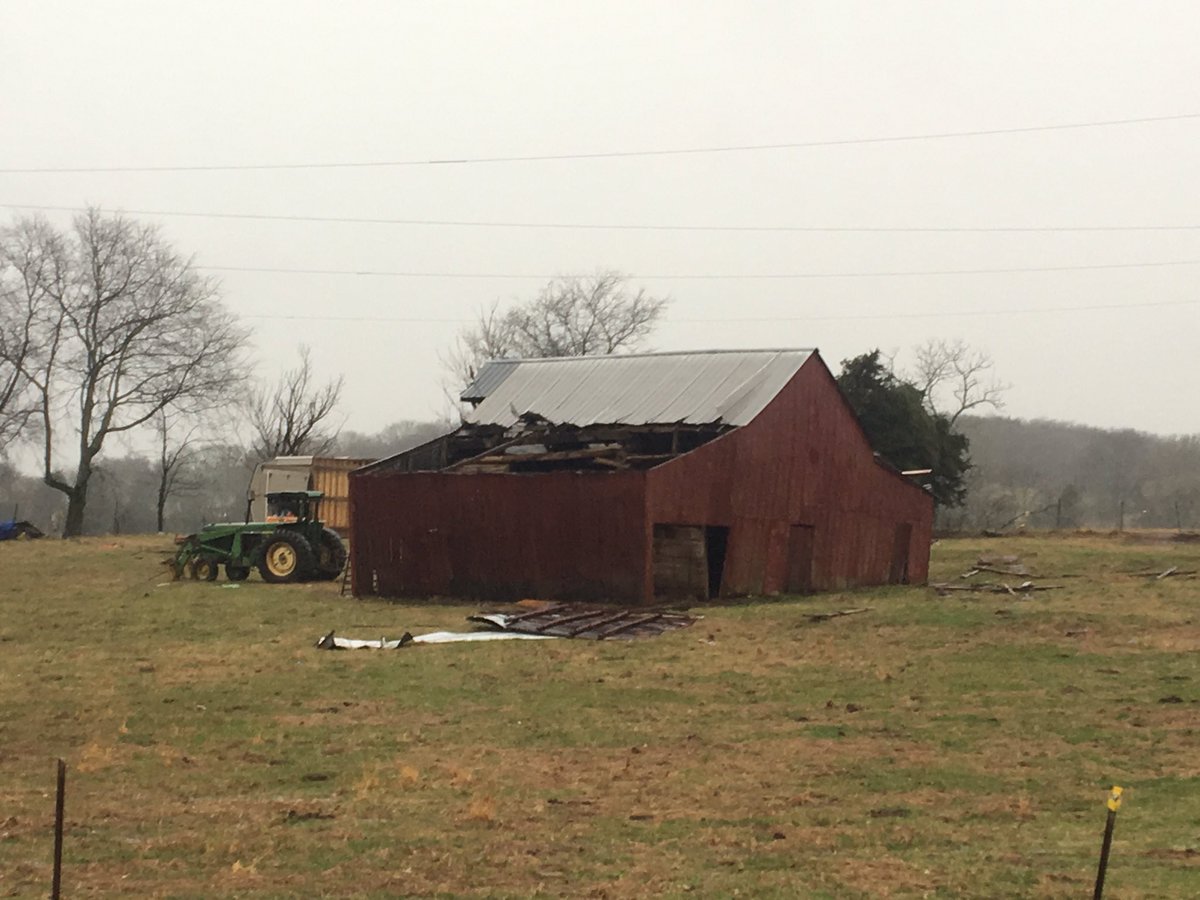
933,747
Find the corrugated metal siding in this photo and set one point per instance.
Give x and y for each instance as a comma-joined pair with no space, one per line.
803,460
560,535
638,389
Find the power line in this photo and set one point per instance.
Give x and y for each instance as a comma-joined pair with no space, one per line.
473,223
612,154
705,276
1029,310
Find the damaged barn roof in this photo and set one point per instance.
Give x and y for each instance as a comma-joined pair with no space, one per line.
728,386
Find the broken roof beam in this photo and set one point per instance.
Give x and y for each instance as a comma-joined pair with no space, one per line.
629,625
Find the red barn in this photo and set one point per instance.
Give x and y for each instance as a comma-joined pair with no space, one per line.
638,478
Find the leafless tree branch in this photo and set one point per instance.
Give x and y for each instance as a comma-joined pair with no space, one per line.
955,369
180,442
294,417
576,316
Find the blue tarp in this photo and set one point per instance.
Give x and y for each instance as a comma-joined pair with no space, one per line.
12,529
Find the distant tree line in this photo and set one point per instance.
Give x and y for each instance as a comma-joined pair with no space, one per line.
1045,474
1001,474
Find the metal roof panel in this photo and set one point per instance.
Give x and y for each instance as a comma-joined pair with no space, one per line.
695,388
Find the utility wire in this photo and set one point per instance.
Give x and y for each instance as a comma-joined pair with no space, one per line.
613,154
830,318
469,223
705,276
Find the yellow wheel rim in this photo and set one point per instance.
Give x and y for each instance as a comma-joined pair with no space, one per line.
281,559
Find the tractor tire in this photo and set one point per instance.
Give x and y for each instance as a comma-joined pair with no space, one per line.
236,573
205,568
286,557
331,556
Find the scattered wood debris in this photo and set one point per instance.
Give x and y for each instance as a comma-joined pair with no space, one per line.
997,565
1166,573
826,616
890,812
984,587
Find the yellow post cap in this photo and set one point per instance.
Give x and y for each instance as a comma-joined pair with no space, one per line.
1114,799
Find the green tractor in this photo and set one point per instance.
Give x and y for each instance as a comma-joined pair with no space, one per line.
292,545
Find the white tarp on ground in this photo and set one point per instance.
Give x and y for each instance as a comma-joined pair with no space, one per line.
331,642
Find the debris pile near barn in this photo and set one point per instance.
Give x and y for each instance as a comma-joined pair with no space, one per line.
537,620
597,623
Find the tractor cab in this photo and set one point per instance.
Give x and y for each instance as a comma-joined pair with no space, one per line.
294,506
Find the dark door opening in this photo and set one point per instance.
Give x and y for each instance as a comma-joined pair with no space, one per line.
899,572
716,542
800,560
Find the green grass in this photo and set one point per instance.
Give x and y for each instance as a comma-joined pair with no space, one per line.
941,747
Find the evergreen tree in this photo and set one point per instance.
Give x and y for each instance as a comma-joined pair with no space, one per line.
902,430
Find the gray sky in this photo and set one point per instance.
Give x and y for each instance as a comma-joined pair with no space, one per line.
104,84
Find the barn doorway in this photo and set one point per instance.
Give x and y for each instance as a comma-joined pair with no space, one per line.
903,539
800,560
689,560
716,542
680,564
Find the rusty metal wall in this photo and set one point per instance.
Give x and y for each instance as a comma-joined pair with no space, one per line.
803,460
559,535
330,476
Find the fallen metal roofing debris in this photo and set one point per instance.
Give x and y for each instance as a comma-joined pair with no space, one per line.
541,622
573,620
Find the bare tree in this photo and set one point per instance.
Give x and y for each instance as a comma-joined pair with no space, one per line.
179,443
571,316
491,337
27,281
295,416
123,328
954,368
15,348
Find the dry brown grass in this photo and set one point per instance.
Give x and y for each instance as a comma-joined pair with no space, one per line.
930,748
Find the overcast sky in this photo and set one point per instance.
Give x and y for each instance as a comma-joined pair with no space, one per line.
154,84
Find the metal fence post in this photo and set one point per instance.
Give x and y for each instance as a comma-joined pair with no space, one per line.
1114,803
59,802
